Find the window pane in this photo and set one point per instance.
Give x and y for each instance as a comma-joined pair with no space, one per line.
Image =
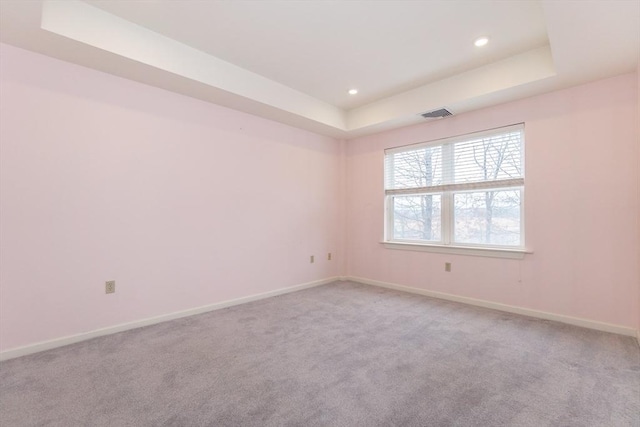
417,217
414,169
488,217
489,159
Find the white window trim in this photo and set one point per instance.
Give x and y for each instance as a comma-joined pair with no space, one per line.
482,251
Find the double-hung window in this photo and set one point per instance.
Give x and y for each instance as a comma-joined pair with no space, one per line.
465,191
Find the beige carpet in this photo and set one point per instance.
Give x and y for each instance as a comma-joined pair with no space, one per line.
342,354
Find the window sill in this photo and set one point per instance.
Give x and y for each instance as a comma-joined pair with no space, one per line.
459,250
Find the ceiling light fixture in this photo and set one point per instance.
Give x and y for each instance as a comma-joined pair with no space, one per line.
482,41
353,91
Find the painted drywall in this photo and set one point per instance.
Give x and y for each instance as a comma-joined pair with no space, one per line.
181,202
187,204
638,151
581,208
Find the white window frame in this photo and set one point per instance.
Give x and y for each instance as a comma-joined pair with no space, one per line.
447,245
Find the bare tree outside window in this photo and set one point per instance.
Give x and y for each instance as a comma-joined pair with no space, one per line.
417,217
491,217
477,182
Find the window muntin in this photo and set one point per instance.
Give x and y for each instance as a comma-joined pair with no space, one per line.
462,191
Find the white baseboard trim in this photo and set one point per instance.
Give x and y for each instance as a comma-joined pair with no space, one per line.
590,324
71,339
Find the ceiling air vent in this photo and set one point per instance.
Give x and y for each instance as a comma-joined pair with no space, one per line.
436,114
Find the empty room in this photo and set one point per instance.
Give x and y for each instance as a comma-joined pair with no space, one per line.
320,213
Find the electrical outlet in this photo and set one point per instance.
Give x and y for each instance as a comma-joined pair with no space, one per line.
312,259
447,266
329,256
110,287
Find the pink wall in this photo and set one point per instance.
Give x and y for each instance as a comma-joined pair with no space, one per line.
186,204
581,211
183,203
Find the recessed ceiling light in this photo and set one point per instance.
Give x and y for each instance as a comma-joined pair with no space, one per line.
482,41
353,91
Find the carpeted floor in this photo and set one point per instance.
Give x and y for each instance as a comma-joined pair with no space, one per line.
342,354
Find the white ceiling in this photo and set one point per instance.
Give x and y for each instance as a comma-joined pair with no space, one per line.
323,48
293,61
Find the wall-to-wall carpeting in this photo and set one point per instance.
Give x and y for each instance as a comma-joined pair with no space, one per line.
342,354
